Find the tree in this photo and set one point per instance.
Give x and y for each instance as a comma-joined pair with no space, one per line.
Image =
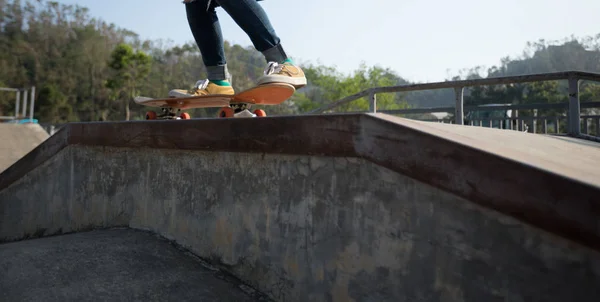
327,85
53,105
129,69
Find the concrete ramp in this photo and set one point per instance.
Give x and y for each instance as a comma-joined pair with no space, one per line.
330,207
16,140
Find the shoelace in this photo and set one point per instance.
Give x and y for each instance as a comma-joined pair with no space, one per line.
200,85
273,67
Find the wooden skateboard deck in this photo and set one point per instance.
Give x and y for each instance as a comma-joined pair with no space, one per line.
232,105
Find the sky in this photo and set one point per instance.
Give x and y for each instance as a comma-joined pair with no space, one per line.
422,41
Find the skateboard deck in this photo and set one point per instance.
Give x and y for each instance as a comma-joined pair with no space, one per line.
236,105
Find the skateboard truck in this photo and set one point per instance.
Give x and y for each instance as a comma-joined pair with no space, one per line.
234,110
240,110
168,113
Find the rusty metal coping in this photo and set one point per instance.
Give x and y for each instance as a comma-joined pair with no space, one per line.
564,206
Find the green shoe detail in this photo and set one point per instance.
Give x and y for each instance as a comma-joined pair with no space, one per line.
221,82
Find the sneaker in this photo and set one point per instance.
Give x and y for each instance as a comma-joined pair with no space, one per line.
283,73
202,87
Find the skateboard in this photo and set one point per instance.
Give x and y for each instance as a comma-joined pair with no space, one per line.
237,105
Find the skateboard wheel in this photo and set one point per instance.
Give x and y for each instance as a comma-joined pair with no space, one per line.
226,112
260,113
150,115
185,116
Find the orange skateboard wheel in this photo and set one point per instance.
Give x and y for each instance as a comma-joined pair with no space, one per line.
150,115
185,116
260,113
226,112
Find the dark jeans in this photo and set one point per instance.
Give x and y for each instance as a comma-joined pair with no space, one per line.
248,14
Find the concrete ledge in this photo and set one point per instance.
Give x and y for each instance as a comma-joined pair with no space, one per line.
537,192
311,135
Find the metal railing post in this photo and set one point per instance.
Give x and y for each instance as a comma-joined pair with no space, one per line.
459,116
372,102
534,121
32,104
25,103
17,104
574,127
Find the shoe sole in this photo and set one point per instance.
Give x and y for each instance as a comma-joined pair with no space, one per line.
296,82
185,95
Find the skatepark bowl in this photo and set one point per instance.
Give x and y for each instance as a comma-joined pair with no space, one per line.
340,207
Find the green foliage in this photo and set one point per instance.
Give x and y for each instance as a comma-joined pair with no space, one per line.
327,85
129,69
54,104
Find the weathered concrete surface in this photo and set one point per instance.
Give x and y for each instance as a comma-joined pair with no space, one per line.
570,157
110,265
534,191
303,228
326,208
16,140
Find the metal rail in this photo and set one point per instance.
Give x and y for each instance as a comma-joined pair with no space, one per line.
584,105
573,105
18,100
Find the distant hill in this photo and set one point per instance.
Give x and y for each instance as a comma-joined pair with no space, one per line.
538,57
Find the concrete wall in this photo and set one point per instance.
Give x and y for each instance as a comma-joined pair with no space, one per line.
304,228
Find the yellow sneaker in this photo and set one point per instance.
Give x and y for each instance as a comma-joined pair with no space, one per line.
283,73
202,87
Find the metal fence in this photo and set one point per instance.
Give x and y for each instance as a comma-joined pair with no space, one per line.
576,125
21,101
572,123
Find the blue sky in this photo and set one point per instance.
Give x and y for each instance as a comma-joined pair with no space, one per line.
422,41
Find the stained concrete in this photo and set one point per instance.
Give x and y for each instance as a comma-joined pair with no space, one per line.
538,180
304,228
110,265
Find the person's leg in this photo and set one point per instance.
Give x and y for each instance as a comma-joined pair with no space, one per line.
253,20
206,30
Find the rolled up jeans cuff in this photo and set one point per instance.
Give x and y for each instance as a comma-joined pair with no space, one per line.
275,54
218,72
